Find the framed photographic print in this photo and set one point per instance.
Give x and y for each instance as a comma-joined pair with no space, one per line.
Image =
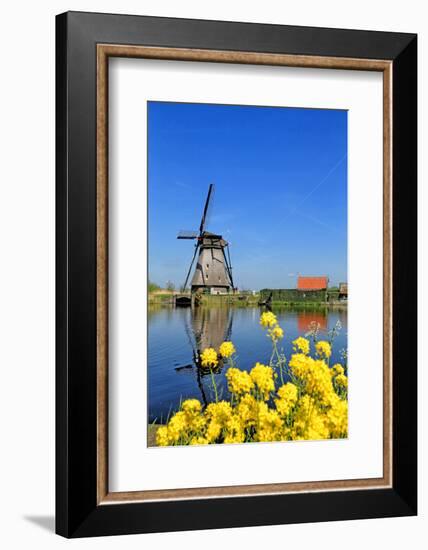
236,274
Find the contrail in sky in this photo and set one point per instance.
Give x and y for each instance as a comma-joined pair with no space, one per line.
318,185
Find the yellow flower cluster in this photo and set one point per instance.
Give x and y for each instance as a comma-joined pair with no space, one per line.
337,418
227,349
341,380
323,349
247,410
239,381
191,406
309,422
302,345
337,369
209,358
219,412
189,419
287,398
313,405
276,333
262,376
314,376
268,319
269,424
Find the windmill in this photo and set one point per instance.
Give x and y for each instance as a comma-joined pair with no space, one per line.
213,271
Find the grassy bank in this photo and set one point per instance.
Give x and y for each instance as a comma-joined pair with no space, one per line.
235,301
165,297
151,434
305,305
162,296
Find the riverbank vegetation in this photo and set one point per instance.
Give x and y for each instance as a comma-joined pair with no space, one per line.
164,297
302,397
286,298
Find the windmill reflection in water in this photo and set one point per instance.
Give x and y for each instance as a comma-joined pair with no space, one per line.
206,328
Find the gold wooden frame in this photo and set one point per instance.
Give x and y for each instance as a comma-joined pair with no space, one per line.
104,51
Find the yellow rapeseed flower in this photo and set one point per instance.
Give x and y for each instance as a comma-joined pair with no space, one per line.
301,344
337,369
268,319
269,424
209,358
337,417
177,427
299,364
262,376
162,436
234,430
217,415
323,349
288,391
288,395
309,423
314,406
315,376
227,349
276,333
220,411
213,431
239,381
191,406
199,441
341,380
247,410
193,419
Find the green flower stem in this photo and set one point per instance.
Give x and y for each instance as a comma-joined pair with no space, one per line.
214,385
275,348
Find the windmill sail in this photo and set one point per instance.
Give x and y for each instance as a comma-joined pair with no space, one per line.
207,203
187,234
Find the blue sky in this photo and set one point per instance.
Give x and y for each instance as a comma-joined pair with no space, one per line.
280,198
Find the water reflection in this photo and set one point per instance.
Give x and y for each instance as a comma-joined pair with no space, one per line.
177,335
307,318
211,326
208,328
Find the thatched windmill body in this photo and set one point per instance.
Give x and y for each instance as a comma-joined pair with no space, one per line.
213,270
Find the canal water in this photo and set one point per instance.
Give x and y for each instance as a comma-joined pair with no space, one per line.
175,335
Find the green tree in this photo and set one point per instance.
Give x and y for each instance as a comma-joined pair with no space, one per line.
153,286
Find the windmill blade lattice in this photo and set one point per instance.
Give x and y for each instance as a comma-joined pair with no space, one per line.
207,203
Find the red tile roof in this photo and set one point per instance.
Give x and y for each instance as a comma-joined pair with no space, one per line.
312,283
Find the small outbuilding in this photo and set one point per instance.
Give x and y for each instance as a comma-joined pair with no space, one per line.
312,283
343,291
